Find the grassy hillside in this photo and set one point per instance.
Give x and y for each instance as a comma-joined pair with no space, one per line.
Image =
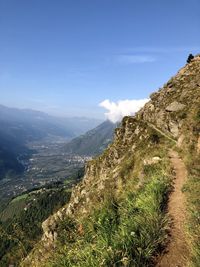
21,222
114,231
93,142
124,231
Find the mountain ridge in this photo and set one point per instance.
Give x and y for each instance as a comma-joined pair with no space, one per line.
93,142
69,126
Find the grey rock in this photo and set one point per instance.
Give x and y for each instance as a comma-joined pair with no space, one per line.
174,129
175,106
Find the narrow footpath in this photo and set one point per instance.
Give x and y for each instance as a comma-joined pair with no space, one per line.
176,252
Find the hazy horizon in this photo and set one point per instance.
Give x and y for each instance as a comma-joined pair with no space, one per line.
66,58
49,113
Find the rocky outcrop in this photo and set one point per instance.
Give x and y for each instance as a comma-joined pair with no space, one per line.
168,107
175,106
105,170
151,161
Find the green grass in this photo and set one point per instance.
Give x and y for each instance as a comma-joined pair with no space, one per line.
21,229
192,190
14,208
125,232
21,197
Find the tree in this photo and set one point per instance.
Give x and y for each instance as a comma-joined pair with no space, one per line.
190,57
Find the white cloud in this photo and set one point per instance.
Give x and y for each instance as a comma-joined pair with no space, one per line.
117,110
132,59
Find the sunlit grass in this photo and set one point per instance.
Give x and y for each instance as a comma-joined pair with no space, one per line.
125,232
192,190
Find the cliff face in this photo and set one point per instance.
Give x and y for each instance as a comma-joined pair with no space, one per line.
173,107
172,116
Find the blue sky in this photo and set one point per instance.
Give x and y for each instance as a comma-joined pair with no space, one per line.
67,56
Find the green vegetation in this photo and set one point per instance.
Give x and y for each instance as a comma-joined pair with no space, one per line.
21,197
94,142
192,190
198,116
22,219
14,208
125,231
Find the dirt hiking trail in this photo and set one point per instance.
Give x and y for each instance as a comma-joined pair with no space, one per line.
176,251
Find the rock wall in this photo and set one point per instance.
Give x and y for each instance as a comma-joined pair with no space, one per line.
168,107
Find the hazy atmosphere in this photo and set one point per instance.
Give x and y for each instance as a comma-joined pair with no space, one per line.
67,57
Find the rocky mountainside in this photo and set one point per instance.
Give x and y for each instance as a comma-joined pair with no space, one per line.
116,215
94,142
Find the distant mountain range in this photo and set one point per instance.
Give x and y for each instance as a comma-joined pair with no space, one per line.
19,126
36,124
93,142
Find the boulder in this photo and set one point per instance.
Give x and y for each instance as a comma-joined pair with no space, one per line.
174,129
175,106
151,161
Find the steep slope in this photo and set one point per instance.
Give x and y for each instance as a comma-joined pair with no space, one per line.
93,142
23,213
9,165
116,215
10,149
176,105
